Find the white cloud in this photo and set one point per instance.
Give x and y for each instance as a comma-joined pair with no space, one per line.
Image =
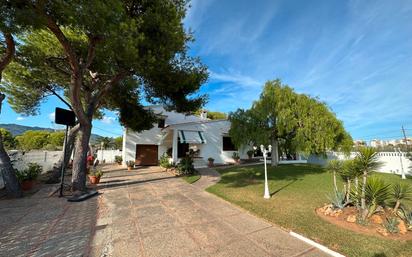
19,118
235,77
108,120
52,116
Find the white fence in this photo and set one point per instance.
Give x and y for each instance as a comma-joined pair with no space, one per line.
392,162
46,159
107,156
20,159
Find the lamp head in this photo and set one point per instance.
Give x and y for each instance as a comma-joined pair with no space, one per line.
270,148
254,148
262,148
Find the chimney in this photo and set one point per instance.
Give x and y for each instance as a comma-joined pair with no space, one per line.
203,114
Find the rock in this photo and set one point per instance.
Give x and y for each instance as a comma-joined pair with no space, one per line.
402,227
382,231
351,218
376,219
336,213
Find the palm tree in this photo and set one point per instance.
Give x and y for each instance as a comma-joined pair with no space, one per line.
367,162
334,166
400,192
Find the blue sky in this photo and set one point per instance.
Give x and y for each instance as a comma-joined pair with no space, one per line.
354,55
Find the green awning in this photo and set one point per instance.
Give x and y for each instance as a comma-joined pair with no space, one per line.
191,137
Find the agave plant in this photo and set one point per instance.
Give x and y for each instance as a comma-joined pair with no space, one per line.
391,225
367,162
406,215
337,199
335,167
400,192
377,192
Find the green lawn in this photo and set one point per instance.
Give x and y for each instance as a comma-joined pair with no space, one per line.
192,178
297,190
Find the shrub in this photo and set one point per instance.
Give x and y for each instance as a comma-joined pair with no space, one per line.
185,167
250,153
118,159
391,225
210,159
30,173
130,164
96,173
164,161
235,156
376,194
337,199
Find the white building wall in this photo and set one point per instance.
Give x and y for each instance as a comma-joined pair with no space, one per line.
213,132
392,162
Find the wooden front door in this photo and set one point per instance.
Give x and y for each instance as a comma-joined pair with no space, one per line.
146,155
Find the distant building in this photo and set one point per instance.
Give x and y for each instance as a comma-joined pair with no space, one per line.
378,143
358,143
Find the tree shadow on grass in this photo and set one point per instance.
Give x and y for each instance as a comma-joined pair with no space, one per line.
283,187
251,175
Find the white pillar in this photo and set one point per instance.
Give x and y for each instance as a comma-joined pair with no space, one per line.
174,145
124,149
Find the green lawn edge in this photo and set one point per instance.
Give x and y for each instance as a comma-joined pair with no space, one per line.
302,188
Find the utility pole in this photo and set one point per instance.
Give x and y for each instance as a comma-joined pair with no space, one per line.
404,136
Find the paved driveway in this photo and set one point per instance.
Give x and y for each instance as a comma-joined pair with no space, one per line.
148,212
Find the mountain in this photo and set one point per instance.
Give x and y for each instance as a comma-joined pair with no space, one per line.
16,130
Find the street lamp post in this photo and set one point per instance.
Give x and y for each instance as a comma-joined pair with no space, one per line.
265,152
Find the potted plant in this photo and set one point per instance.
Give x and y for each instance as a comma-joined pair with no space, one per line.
27,176
90,160
236,157
211,160
250,153
118,159
94,176
130,165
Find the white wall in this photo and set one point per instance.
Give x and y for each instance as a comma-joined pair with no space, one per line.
46,159
108,155
391,162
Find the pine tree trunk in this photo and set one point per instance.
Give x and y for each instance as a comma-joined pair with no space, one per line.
7,171
9,177
275,153
80,158
56,172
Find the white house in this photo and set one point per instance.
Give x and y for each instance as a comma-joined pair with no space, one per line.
177,134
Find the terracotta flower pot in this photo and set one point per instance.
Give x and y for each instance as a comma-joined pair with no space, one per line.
94,179
129,168
27,185
211,164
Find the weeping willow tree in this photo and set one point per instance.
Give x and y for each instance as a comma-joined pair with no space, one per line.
295,121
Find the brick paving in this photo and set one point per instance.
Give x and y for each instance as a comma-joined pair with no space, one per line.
145,212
